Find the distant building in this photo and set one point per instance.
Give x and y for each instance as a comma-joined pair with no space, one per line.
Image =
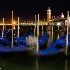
62,15
68,22
57,21
48,14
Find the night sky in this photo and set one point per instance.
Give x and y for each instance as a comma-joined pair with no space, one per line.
26,9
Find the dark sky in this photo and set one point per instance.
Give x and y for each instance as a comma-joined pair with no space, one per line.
26,9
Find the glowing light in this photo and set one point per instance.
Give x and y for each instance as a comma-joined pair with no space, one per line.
14,34
58,23
14,23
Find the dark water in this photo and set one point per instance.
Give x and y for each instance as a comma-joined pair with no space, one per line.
34,63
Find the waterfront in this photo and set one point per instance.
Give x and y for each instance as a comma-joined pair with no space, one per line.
53,22
34,64
30,63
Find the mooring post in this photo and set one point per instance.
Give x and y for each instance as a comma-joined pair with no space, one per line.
18,26
49,32
12,30
58,32
37,33
67,33
3,28
42,28
52,28
35,26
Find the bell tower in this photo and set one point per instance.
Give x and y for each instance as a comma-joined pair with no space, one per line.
48,14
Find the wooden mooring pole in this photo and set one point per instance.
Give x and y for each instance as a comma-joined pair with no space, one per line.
67,33
3,28
37,33
18,26
12,30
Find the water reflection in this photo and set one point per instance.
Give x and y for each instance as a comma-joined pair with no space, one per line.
66,64
36,63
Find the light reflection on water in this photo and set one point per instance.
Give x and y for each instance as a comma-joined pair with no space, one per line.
66,64
34,64
37,64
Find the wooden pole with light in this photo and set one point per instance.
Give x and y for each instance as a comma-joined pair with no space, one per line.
37,33
67,33
42,28
12,30
52,28
35,26
3,28
18,26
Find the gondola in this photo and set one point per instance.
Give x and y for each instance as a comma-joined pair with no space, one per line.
56,48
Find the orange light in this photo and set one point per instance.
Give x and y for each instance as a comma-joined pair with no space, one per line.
14,23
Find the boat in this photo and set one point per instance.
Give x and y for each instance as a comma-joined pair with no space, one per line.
18,41
52,50
42,41
58,47
19,44
61,43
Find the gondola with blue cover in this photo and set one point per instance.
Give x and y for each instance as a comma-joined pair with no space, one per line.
58,47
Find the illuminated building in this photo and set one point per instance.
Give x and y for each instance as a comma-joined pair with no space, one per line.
48,14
